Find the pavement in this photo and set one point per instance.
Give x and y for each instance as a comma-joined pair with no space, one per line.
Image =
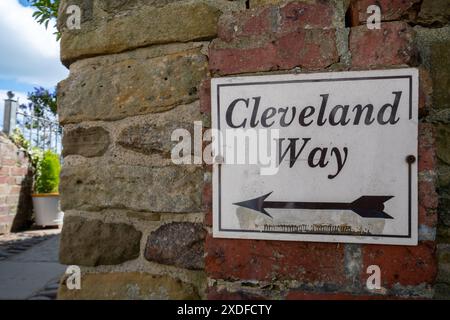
29,267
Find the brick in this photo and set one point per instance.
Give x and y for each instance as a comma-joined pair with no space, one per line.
428,196
288,18
298,295
6,219
269,260
207,203
4,171
296,49
428,217
19,180
205,96
208,218
8,162
4,210
7,180
391,45
19,171
390,10
425,92
404,265
15,190
207,196
427,149
12,199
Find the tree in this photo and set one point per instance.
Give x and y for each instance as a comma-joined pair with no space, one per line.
46,10
42,102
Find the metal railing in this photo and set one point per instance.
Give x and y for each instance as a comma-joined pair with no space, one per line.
39,132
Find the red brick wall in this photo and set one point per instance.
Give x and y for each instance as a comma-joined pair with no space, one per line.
15,187
325,36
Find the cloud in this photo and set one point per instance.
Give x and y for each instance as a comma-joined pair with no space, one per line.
22,96
29,53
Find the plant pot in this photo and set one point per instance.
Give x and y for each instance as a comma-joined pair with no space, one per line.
47,210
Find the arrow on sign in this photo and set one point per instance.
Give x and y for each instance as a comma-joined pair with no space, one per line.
366,206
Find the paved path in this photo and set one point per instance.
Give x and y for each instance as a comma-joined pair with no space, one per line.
29,267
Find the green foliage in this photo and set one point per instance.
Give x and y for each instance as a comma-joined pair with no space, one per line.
46,10
19,140
47,177
35,154
43,103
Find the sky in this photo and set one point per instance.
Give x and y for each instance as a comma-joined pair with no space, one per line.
29,54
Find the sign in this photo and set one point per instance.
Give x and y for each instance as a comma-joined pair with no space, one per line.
325,157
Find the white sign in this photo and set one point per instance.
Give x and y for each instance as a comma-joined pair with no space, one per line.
326,157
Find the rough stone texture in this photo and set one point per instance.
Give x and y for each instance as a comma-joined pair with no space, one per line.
108,33
443,277
262,3
440,74
173,189
434,12
296,49
87,142
433,44
93,242
138,82
369,49
162,79
15,187
391,10
128,286
407,266
151,138
270,260
443,142
178,244
223,294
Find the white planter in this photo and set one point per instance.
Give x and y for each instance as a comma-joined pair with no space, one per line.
46,210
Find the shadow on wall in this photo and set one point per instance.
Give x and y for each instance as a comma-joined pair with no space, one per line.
23,218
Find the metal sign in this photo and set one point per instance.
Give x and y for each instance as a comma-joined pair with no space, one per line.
326,157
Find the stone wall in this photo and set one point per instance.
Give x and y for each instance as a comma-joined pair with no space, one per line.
140,226
15,187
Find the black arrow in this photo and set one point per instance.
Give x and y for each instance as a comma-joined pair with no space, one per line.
366,206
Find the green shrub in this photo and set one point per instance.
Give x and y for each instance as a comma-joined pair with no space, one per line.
47,175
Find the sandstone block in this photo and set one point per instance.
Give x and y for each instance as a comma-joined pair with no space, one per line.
138,82
172,189
92,242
